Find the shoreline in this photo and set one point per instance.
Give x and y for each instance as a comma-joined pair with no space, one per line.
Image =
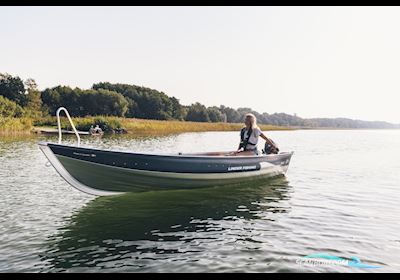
140,127
131,126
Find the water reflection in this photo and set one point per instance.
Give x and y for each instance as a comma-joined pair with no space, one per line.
134,229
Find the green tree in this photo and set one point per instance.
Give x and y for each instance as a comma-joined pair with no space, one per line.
232,116
216,115
197,113
85,102
51,100
63,96
13,89
103,102
147,103
34,101
178,111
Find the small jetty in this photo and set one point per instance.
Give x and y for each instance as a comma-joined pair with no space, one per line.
48,130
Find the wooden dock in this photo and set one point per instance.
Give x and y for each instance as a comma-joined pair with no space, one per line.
48,130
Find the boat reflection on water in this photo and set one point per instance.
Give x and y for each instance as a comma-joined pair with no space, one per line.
135,231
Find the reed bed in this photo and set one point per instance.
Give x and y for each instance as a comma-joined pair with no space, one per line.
15,126
128,125
140,126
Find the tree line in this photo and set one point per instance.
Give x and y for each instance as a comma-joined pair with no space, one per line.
23,98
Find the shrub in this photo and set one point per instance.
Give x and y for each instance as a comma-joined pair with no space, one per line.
106,124
9,108
15,125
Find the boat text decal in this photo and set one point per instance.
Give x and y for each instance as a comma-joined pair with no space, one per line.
84,155
238,168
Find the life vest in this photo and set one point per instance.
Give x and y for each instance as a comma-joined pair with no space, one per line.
243,141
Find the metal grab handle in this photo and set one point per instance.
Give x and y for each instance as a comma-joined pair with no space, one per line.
70,121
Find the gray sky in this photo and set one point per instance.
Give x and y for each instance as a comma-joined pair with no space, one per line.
313,61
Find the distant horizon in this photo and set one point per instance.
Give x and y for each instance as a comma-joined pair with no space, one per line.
313,62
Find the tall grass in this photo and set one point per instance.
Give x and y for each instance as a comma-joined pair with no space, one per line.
12,126
144,127
140,126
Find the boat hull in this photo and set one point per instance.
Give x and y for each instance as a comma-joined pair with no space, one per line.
100,172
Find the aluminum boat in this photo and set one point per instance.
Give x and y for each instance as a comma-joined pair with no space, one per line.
105,172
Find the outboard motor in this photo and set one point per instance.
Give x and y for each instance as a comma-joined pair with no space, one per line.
270,148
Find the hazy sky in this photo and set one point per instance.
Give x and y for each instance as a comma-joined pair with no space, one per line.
313,61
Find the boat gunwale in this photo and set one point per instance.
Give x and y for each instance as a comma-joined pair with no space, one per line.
44,143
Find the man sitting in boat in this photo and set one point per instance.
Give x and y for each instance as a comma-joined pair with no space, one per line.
249,137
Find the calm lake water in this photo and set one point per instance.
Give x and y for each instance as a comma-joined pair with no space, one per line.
340,197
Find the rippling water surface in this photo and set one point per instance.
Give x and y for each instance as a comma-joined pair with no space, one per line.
340,197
